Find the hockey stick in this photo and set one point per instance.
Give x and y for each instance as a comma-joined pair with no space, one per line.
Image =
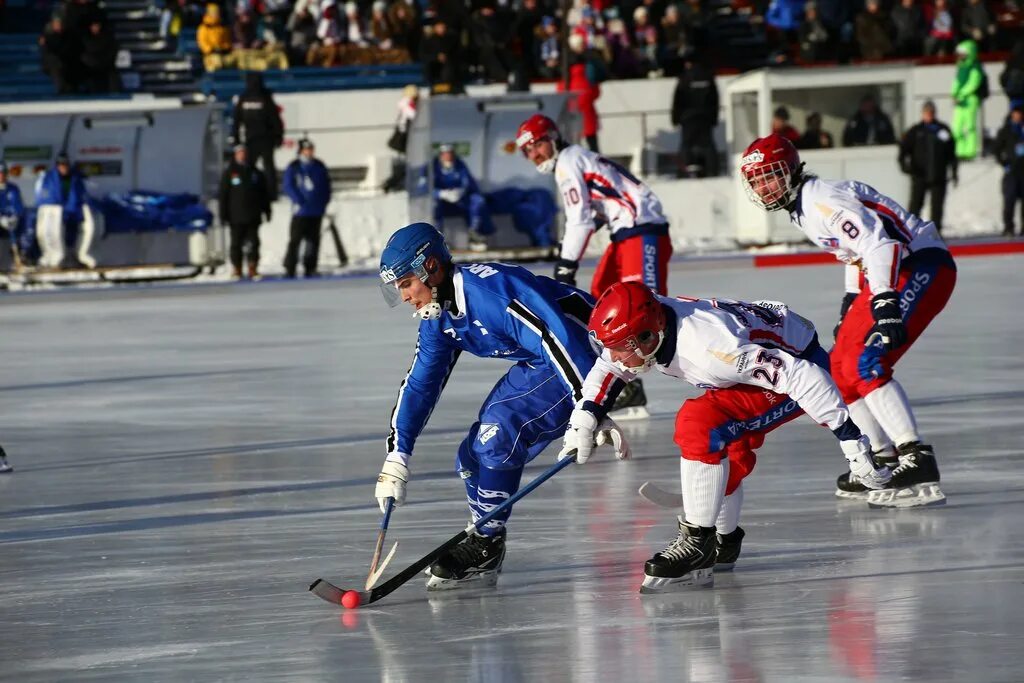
375,573
661,497
331,593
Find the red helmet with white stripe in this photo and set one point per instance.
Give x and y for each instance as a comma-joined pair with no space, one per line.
770,169
537,127
629,321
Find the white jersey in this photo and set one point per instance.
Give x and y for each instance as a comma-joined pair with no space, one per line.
719,343
593,186
863,228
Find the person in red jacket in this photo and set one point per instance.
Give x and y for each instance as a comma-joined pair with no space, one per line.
586,71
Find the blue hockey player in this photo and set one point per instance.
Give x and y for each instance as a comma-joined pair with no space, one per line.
457,194
12,211
491,310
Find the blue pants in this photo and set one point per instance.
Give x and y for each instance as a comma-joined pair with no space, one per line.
527,409
472,208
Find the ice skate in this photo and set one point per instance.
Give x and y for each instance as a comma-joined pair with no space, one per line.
848,486
5,467
476,562
477,242
631,403
687,562
728,549
915,481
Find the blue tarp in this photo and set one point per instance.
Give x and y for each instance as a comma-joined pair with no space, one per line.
143,211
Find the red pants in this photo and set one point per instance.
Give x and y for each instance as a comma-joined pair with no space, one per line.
733,420
925,284
641,258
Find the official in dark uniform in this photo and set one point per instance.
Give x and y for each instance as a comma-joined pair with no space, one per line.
244,201
257,125
928,156
1010,153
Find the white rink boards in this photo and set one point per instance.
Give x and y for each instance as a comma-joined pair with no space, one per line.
189,458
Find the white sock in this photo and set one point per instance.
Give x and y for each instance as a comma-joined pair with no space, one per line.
703,490
729,515
890,406
861,414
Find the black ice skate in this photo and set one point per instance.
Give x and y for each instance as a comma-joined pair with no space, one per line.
631,403
728,549
476,562
5,467
849,486
688,561
915,481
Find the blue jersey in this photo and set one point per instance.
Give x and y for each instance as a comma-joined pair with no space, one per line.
498,311
456,177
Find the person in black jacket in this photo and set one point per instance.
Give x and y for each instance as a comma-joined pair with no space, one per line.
869,126
257,125
928,156
1012,77
695,111
98,57
244,200
1010,153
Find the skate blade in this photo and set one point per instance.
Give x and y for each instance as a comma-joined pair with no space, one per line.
486,579
850,495
630,413
724,566
919,495
698,578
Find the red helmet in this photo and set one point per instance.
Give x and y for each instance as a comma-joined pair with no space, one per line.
537,127
629,317
769,168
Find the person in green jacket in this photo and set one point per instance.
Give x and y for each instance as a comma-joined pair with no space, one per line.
965,100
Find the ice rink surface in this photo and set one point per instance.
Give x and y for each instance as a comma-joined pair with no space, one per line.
189,458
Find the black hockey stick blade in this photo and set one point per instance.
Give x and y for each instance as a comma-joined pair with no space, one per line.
325,590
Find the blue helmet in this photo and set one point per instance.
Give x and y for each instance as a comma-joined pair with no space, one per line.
406,252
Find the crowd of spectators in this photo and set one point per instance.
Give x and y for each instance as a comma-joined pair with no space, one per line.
78,49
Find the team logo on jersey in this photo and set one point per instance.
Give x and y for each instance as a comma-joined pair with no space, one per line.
829,242
488,432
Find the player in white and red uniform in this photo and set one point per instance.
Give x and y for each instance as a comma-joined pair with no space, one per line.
899,276
597,192
761,366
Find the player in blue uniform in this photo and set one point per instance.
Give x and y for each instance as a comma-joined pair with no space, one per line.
491,310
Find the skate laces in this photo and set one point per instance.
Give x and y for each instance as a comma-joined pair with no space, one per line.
474,549
681,547
907,462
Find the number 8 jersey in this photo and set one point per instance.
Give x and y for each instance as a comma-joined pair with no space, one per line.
594,187
862,228
719,343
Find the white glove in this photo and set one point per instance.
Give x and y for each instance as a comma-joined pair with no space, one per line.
391,483
579,437
612,433
862,466
6,222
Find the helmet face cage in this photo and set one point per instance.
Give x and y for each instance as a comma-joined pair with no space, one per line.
634,344
769,185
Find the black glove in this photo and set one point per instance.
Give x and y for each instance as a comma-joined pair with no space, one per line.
565,271
885,308
847,302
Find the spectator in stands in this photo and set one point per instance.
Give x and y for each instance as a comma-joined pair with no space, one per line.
1012,77
624,61
489,35
780,125
355,34
694,17
457,194
244,202
380,29
908,29
308,184
405,26
550,50
837,16
783,19
57,52
12,213
99,58
873,32
695,111
645,37
940,29
79,14
815,137
1009,150
815,43
527,33
928,156
977,24
257,124
586,73
673,40
442,64
967,94
214,40
869,126
244,32
301,34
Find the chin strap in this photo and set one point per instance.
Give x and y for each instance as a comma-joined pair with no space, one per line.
548,166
